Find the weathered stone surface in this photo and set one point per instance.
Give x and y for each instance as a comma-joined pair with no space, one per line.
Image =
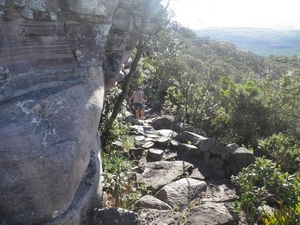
220,193
212,145
217,163
56,60
148,144
150,202
196,174
210,170
155,216
144,130
191,137
168,133
163,122
162,142
188,152
155,154
115,216
210,213
158,174
240,158
228,151
181,192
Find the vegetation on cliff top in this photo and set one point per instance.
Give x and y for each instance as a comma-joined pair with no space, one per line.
230,94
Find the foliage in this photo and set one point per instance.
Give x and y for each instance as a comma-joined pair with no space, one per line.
284,150
228,93
287,215
246,116
124,190
261,181
114,126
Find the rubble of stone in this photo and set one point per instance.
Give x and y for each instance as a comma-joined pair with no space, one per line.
187,172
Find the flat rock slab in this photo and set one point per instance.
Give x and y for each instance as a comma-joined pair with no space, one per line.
138,129
210,214
158,174
220,193
167,133
157,217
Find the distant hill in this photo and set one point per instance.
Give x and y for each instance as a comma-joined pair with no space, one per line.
262,42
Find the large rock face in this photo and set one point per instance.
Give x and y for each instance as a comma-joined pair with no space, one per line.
57,57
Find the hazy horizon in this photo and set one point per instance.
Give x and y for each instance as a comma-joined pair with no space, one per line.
266,14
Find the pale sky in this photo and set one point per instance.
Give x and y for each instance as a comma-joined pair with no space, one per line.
274,14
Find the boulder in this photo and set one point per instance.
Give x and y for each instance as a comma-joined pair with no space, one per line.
212,145
240,158
163,122
195,139
150,202
188,152
228,151
180,193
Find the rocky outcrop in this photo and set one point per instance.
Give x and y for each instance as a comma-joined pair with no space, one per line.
57,57
187,173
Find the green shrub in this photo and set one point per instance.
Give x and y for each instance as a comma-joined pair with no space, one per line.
124,191
263,180
284,150
287,215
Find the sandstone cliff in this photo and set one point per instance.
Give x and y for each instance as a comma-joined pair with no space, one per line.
57,57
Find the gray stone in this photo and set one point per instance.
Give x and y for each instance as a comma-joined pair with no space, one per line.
228,151
163,122
196,174
159,217
148,144
194,139
210,214
220,193
155,154
217,163
150,202
212,145
168,133
188,152
180,193
206,156
115,216
139,138
240,158
170,156
162,142
159,174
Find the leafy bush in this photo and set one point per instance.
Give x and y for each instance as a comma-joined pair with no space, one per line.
261,181
288,215
284,150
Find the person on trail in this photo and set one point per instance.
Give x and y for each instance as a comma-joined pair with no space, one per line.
138,102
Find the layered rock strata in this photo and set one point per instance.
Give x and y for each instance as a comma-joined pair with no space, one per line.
57,57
